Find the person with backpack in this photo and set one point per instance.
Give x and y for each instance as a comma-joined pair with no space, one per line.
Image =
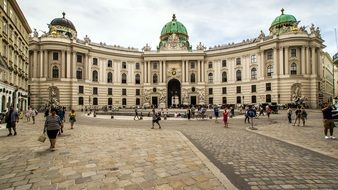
252,114
12,117
328,121
303,115
72,119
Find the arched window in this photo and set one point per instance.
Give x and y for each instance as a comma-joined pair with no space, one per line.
192,78
109,77
238,75
210,78
253,73
55,72
224,77
124,65
110,101
293,69
137,66
124,78
155,79
95,76
137,79
269,71
79,73
268,98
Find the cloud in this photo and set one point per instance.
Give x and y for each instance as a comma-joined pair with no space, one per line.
137,22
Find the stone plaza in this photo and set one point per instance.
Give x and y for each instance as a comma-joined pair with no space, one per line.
104,153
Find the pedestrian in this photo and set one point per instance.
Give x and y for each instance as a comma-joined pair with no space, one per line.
261,111
193,110
33,114
268,110
12,117
53,124
290,115
136,113
72,119
232,112
252,114
28,115
298,116
46,112
225,117
246,115
188,113
303,115
156,119
21,114
216,113
61,113
328,121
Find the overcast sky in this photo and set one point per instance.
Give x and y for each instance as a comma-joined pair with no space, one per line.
137,22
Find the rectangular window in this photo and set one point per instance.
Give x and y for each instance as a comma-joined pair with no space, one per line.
293,52
238,89
94,61
210,65
224,90
80,89
155,66
78,58
81,101
210,91
124,92
253,59
268,86
95,90
124,65
138,92
95,102
110,63
224,63
224,100
238,61
55,56
253,88
211,100
253,99
110,91
192,65
269,55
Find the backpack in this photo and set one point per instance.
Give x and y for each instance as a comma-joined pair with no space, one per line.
304,114
251,113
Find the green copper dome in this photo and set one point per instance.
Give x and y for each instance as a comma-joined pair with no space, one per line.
284,19
174,27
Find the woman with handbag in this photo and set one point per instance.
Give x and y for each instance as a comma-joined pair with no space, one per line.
72,119
52,126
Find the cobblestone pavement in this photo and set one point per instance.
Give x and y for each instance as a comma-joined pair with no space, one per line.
253,161
103,158
249,160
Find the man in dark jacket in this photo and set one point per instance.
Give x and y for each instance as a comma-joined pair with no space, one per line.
12,118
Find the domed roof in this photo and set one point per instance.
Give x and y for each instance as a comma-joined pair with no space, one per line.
174,27
283,19
62,22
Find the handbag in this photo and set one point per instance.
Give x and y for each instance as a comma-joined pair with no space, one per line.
42,137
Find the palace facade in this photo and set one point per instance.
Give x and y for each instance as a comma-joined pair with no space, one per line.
14,66
285,65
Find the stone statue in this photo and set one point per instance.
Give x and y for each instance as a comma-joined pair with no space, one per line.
261,35
200,46
35,34
312,28
146,48
87,39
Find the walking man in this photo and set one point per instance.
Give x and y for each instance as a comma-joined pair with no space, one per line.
328,121
136,113
156,119
251,114
12,118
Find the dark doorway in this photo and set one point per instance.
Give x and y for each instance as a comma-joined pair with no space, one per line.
192,100
174,93
154,101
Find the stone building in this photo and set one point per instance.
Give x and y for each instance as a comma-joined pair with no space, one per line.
14,34
281,66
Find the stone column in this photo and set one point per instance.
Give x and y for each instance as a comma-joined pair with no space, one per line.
187,71
261,64
86,68
74,66
313,61
203,72
46,72
34,64
68,64
308,63
62,68
161,68
319,66
199,70
183,71
275,65
148,72
287,67
281,61
164,72
303,60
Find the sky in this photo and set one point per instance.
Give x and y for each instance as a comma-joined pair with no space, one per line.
133,23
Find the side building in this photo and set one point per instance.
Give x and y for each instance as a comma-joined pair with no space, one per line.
283,66
14,65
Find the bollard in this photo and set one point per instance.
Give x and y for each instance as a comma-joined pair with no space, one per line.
111,117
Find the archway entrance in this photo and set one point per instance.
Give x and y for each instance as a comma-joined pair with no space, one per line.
174,93
3,106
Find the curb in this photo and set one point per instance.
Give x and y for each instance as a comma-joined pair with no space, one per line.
219,175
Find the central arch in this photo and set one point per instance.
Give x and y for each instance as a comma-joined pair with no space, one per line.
174,93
